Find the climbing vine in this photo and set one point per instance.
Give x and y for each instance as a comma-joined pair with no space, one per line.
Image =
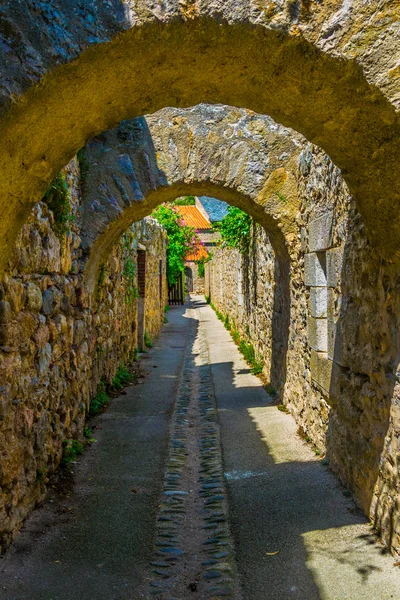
182,240
235,229
129,274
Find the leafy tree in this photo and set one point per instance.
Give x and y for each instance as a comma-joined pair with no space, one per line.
235,229
184,201
182,240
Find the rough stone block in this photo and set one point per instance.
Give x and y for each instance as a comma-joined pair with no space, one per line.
315,269
321,370
318,334
34,299
335,344
318,302
334,262
5,312
333,303
320,233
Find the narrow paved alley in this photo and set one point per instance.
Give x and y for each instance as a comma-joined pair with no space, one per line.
198,487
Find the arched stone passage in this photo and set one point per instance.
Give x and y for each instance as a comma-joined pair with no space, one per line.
290,63
238,156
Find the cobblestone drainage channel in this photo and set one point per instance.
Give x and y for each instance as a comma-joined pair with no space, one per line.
193,553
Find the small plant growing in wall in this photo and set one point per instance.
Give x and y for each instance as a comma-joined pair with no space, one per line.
122,377
71,450
83,166
58,200
100,399
129,274
147,340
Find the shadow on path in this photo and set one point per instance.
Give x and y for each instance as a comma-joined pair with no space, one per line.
281,498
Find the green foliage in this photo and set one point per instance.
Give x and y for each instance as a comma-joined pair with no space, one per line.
184,201
281,197
257,366
133,355
88,433
102,275
129,274
235,229
58,200
246,348
208,299
201,263
227,323
181,240
100,399
166,319
271,390
147,340
71,449
41,474
122,377
167,308
235,335
83,165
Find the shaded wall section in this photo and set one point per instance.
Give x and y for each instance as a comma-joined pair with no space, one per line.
57,343
341,373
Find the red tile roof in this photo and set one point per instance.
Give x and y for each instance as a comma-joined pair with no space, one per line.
200,253
193,217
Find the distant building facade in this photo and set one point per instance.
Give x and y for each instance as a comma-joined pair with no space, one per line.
201,216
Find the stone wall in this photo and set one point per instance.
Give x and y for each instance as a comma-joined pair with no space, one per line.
193,279
341,357
58,343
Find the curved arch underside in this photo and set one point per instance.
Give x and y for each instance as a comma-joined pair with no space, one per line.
181,63
238,156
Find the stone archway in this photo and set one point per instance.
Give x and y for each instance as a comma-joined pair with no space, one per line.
98,66
238,156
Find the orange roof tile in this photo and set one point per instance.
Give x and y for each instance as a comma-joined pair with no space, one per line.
193,217
200,253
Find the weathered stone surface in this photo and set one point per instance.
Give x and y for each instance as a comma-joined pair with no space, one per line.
57,343
315,269
319,302
320,233
34,297
318,334
5,311
335,66
175,152
334,263
347,398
